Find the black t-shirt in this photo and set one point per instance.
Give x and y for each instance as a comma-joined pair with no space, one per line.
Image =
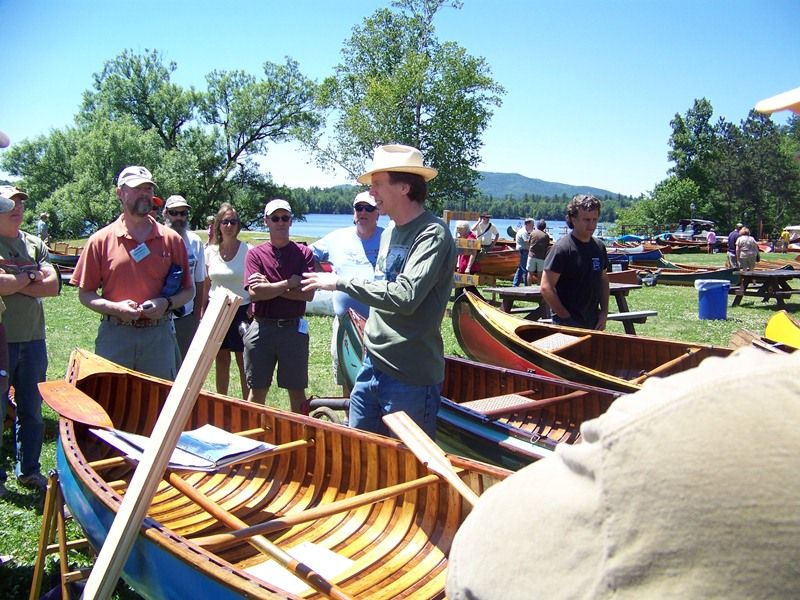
580,265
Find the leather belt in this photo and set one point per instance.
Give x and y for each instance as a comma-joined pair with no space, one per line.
138,324
279,322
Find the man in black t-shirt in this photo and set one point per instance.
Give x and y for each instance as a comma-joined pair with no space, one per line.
575,278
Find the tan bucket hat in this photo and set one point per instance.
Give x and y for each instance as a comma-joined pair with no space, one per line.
400,159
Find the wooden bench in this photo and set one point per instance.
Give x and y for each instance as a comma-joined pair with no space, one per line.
626,318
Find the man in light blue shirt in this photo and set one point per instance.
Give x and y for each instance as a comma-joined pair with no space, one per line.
351,252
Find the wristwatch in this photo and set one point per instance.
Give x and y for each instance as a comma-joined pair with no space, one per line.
31,275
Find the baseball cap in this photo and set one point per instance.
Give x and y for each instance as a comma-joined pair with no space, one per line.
276,204
176,201
7,193
364,198
134,176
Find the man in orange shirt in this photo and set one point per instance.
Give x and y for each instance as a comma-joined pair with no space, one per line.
130,260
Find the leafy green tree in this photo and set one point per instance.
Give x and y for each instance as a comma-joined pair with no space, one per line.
397,83
201,144
693,143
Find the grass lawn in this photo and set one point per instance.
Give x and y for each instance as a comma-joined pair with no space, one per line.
70,325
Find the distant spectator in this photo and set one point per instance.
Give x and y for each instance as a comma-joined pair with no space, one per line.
522,240
746,250
466,260
732,237
486,232
539,245
711,240
42,230
212,230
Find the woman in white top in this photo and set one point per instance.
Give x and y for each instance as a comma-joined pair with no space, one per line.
225,268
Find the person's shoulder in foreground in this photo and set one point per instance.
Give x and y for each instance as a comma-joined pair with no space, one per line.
686,489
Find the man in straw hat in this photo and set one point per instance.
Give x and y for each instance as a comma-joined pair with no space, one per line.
404,364
130,260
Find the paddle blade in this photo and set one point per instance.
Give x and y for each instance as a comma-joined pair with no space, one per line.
71,403
428,453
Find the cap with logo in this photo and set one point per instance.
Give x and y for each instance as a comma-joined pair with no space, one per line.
277,204
134,176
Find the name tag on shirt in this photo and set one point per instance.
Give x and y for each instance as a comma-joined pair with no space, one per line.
140,252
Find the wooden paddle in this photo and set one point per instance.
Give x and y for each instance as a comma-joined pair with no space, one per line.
71,403
429,454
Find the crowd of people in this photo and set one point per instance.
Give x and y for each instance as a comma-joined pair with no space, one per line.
149,282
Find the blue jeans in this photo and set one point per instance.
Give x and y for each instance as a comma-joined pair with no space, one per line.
27,367
376,394
520,276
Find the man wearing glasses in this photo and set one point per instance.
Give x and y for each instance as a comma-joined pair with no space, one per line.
185,319
130,260
278,334
404,365
352,252
25,278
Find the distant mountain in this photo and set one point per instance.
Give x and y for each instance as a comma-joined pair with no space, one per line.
499,185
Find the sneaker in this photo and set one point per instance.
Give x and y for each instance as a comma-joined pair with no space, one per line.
3,490
33,481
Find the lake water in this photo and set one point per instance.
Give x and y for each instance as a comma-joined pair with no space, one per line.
317,225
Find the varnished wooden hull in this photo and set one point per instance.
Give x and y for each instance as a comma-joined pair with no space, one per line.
498,263
687,276
606,360
398,546
502,416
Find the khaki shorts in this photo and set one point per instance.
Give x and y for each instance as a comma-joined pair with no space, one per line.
268,343
535,265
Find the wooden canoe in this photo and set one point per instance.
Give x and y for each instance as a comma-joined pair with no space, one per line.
688,275
63,254
783,328
501,416
606,360
361,499
500,262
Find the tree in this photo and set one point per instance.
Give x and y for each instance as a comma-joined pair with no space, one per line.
202,145
397,83
693,143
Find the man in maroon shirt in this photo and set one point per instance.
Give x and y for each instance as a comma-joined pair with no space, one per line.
278,333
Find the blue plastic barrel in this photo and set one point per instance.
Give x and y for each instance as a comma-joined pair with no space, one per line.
712,298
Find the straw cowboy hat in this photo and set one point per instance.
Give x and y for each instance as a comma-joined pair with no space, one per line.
786,101
398,158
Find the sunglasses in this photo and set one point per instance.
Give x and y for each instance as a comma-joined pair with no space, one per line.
177,213
367,207
284,218
229,222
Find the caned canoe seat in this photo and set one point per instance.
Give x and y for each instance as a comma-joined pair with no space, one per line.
558,341
504,402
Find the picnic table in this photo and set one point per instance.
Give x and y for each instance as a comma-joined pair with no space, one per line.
767,284
533,293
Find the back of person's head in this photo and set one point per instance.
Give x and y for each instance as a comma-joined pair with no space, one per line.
744,231
417,186
685,489
541,224
581,202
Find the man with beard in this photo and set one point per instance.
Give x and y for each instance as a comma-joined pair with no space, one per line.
130,260
186,319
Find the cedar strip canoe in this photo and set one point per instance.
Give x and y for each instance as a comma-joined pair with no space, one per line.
318,493
502,262
606,360
501,416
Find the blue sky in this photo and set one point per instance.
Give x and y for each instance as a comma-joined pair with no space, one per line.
591,86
